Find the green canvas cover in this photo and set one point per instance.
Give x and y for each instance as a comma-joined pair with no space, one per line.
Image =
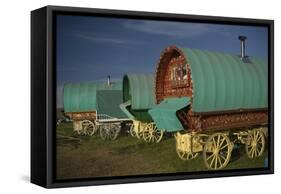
81,97
139,89
164,114
108,102
223,82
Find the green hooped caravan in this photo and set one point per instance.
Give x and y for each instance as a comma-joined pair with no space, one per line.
94,106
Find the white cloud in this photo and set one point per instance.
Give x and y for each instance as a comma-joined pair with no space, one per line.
171,29
110,40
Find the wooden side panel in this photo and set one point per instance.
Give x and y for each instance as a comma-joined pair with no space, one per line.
79,116
193,122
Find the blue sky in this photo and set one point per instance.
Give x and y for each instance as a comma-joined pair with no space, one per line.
90,48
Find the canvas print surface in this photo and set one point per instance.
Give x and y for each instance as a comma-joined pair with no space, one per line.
142,97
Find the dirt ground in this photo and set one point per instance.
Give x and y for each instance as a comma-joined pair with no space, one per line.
86,157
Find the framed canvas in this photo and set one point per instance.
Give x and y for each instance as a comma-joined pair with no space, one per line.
125,96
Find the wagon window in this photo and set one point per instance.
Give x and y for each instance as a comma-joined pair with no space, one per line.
179,75
179,72
184,72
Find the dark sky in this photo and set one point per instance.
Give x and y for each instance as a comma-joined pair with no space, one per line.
90,48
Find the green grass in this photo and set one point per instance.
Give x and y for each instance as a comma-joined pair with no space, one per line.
84,156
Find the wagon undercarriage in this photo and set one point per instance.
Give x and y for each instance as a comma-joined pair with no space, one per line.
146,131
217,147
108,127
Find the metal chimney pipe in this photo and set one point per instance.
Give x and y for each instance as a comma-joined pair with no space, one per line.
242,50
108,81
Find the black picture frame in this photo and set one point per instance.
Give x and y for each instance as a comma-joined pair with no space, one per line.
43,95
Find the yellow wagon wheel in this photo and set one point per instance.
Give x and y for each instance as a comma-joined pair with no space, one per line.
186,155
255,144
146,133
152,134
139,132
132,130
217,151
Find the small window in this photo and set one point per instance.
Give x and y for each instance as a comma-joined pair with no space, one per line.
179,72
184,72
179,75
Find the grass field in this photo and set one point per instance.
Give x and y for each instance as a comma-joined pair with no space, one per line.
84,157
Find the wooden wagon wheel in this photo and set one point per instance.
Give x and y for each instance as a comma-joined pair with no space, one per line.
132,130
104,131
152,134
186,155
157,134
146,133
114,131
140,128
88,127
217,151
255,144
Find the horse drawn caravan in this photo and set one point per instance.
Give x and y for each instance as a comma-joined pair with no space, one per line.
93,107
219,100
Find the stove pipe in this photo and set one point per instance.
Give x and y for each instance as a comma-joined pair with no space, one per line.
242,45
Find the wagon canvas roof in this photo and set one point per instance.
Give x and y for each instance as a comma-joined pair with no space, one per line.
223,82
139,89
82,97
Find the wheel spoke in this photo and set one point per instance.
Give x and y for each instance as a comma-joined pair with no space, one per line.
220,160
255,152
218,142
212,161
222,141
259,138
216,162
251,150
210,156
226,145
255,135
